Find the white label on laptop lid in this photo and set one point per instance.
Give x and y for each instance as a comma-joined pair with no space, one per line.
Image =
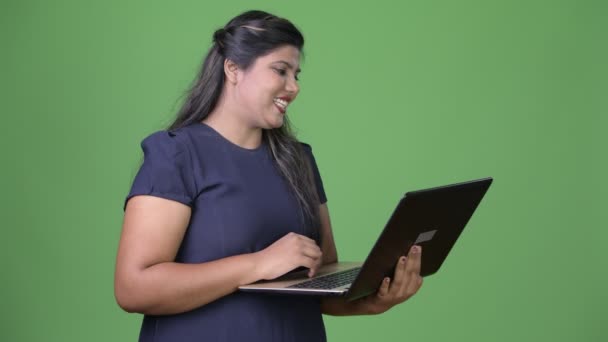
426,236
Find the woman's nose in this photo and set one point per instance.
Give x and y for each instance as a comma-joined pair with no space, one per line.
292,87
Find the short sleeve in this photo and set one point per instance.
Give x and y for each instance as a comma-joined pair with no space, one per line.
315,171
166,170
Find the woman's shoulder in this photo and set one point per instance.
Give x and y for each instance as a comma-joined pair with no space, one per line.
306,147
169,141
179,139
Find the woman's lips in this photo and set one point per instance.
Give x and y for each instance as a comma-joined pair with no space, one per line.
280,108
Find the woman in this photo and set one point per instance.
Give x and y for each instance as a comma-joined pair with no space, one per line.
227,196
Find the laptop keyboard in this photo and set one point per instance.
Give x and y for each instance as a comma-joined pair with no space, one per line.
330,281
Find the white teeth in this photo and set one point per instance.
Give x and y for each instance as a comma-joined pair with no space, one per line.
281,103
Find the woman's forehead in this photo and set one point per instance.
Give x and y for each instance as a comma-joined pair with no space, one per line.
285,55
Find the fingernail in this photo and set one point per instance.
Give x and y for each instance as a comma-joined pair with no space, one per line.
386,280
415,249
402,260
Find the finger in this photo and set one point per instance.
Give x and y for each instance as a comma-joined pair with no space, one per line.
307,262
318,263
384,287
413,286
412,272
313,270
399,277
414,260
312,252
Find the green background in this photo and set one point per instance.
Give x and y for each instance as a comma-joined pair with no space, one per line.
395,96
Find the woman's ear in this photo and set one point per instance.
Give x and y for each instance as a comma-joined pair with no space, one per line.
230,70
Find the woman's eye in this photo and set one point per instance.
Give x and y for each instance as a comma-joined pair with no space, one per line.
283,72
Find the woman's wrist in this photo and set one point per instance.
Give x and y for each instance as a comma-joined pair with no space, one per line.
256,263
369,306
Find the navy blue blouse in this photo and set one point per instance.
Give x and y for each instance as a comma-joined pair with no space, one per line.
240,204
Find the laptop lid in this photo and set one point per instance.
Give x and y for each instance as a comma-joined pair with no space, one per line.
432,218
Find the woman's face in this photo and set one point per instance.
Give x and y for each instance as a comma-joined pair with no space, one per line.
267,88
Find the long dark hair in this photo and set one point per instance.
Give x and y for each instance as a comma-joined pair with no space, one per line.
246,37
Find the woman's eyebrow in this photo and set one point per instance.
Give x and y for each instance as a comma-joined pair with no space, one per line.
288,65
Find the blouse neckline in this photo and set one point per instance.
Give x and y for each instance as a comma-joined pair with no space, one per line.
228,142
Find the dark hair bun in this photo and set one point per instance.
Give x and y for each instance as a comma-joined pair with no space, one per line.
218,36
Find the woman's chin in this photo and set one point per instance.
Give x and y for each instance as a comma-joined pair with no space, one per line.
275,123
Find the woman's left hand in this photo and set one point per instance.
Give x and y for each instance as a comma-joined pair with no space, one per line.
406,282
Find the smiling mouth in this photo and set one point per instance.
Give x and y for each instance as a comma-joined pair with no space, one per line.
281,105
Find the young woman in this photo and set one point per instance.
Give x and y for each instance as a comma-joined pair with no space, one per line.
227,196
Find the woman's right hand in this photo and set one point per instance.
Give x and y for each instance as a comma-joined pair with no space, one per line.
289,252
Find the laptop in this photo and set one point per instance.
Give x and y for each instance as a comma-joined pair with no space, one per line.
431,218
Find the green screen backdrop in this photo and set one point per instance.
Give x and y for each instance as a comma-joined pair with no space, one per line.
395,96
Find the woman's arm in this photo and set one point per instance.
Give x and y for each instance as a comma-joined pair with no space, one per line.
147,280
406,282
